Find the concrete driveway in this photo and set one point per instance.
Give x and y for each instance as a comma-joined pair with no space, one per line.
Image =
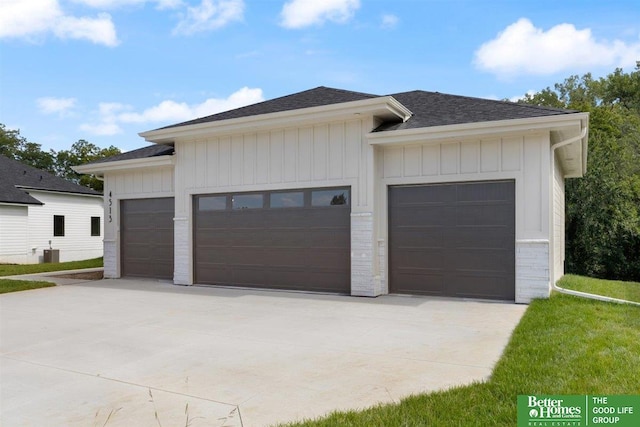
121,351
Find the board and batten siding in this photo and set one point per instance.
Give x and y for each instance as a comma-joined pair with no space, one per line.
13,234
558,221
523,158
77,242
151,182
321,155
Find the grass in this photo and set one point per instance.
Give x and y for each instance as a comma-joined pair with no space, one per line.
15,269
629,291
562,345
7,285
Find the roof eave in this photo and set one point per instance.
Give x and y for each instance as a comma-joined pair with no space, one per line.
47,190
122,165
475,129
385,107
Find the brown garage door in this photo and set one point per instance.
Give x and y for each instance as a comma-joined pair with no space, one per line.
297,240
453,239
146,233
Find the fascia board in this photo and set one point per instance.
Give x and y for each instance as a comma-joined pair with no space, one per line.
386,106
67,193
20,204
121,165
466,130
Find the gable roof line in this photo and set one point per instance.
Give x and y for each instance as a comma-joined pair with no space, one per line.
382,106
16,177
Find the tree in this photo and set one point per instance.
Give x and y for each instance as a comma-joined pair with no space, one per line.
82,152
15,146
603,207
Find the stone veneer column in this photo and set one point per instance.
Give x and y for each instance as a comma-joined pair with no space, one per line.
110,259
363,282
181,261
532,270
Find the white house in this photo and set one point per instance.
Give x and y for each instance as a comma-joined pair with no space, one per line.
338,191
39,211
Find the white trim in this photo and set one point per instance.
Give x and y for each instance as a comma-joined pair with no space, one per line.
24,205
121,165
68,193
545,241
384,106
476,129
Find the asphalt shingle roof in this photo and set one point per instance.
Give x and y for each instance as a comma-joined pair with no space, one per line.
440,109
14,174
428,108
309,98
141,153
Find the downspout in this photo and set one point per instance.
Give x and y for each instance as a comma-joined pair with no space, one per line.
555,287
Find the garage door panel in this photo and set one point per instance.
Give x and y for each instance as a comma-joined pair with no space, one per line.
479,286
420,282
418,257
453,239
146,236
425,237
280,248
489,214
432,195
437,215
480,191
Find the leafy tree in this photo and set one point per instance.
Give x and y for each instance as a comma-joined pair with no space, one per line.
603,207
15,146
82,152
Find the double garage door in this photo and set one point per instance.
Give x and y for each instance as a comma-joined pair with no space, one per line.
296,240
454,240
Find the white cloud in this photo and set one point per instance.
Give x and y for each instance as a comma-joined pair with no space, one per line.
524,49
389,21
61,106
27,19
517,98
111,115
210,15
303,13
113,4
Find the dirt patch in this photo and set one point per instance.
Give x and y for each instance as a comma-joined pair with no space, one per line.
93,275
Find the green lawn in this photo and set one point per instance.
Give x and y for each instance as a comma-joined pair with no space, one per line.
7,285
629,291
15,269
562,345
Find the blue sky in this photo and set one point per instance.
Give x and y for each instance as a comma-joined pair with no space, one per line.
105,70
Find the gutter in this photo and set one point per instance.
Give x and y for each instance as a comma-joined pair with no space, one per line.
593,296
555,287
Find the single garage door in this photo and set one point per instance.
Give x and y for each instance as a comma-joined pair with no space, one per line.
296,239
146,234
454,240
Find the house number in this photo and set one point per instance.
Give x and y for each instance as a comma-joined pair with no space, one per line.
110,203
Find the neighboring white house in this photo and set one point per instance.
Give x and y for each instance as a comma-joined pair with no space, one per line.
40,211
338,191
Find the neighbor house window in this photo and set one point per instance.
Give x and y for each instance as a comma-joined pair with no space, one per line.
58,225
95,225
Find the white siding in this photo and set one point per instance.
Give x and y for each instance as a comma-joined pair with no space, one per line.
134,184
558,222
13,234
77,242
